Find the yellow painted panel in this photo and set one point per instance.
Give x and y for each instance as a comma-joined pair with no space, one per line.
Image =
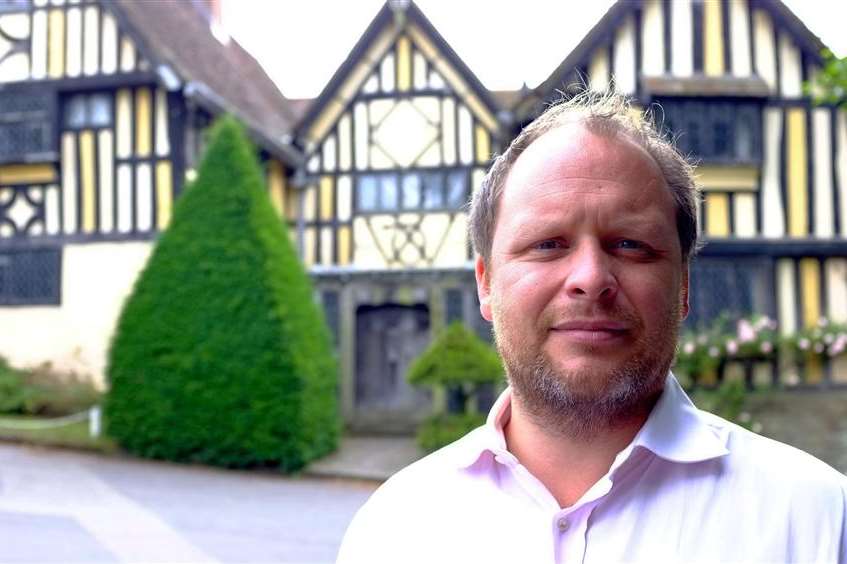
69,183
598,71
276,186
327,208
27,174
810,277
127,55
713,38
798,224
717,215
292,199
56,51
448,130
309,203
652,34
728,177
404,64
483,144
164,194
106,183
309,239
124,123
344,245
86,176
143,122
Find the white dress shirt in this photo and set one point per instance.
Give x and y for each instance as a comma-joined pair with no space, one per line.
691,487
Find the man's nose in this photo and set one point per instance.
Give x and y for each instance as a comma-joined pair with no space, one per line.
590,276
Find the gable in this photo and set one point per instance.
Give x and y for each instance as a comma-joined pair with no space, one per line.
399,54
64,39
742,47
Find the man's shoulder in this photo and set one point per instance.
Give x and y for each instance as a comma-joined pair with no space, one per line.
770,462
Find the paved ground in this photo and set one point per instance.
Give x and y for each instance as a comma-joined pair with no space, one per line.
61,506
374,458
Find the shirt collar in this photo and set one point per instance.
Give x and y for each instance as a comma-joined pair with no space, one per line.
675,431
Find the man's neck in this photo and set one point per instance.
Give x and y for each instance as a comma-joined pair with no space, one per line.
568,466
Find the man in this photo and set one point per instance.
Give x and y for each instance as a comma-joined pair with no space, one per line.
584,230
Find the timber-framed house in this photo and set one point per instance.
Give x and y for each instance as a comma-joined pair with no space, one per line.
393,147
103,105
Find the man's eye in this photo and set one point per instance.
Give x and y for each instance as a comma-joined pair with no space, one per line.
548,245
630,244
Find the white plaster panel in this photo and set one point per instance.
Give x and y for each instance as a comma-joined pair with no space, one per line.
786,297
765,48
624,63
682,39
73,42
598,70
824,209
91,41
745,215
790,70
652,39
836,286
739,34
773,222
96,279
39,44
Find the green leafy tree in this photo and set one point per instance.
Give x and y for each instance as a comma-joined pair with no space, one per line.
457,360
830,86
220,355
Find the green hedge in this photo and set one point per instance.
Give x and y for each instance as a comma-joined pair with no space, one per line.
220,355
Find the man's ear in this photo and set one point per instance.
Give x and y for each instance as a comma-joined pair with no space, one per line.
683,292
483,289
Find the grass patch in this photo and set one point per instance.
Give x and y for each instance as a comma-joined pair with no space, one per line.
75,435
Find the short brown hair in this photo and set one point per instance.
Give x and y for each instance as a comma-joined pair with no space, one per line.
607,112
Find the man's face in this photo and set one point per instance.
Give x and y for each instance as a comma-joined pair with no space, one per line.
585,285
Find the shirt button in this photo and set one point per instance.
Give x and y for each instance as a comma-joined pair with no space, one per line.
564,525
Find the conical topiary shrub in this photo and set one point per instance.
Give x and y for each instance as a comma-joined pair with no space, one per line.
456,360
220,355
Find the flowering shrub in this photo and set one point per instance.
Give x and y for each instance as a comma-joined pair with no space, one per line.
825,339
753,339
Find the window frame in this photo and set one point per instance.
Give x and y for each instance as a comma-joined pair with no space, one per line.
8,258
705,116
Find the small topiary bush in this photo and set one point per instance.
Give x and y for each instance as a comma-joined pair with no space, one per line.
457,360
220,355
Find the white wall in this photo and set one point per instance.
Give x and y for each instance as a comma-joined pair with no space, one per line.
74,336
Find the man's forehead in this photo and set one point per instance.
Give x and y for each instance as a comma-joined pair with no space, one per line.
574,151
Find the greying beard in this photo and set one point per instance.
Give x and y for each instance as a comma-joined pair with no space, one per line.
583,404
553,404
